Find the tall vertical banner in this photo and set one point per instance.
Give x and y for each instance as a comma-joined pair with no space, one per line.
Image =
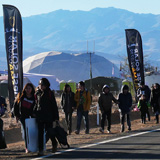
13,42
135,56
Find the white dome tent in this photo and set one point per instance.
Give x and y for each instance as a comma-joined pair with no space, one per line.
69,66
34,79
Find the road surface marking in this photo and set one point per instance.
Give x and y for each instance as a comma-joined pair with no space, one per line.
95,144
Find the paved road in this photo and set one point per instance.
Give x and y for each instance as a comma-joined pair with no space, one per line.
140,146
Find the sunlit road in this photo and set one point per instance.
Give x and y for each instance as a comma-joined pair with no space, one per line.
142,145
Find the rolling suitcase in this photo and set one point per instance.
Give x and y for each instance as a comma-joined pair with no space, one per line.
32,135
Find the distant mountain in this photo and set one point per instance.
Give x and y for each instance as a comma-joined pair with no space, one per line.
67,67
70,30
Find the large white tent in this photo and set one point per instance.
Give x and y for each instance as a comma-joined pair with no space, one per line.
152,78
34,79
69,66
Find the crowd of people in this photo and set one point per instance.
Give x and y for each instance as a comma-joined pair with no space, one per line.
40,103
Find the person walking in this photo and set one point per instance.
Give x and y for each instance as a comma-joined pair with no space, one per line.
125,104
143,105
3,107
155,100
46,112
68,105
83,101
144,90
23,107
105,104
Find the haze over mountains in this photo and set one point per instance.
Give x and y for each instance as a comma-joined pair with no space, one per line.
64,30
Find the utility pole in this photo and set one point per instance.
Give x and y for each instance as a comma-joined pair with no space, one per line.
90,54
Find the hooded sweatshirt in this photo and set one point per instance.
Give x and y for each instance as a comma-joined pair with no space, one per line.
125,101
105,101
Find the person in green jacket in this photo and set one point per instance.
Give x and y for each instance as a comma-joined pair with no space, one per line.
143,105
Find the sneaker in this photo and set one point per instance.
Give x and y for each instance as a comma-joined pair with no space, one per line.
122,129
101,130
76,132
40,153
108,131
70,132
87,132
129,128
54,149
26,150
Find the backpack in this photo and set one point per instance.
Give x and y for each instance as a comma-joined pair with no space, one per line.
61,136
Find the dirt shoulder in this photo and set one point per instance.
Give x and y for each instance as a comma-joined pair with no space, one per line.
15,144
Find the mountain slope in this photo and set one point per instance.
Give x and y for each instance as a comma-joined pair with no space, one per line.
70,30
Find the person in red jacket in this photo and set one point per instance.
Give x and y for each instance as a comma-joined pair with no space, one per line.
23,106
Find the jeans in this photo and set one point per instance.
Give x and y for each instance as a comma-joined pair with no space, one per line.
22,120
122,119
81,114
41,127
68,117
143,116
103,119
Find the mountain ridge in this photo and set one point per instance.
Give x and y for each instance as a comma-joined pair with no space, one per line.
70,30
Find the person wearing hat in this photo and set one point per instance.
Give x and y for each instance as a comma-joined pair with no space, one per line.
125,104
144,90
46,112
105,104
83,101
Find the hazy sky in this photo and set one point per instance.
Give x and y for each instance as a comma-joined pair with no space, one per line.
34,7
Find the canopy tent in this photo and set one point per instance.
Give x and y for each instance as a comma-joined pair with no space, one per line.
34,79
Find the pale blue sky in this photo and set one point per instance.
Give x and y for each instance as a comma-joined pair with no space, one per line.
34,7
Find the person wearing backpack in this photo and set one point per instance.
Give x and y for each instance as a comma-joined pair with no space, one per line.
68,105
23,107
105,104
83,101
46,112
144,90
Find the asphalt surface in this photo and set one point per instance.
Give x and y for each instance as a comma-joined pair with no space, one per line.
141,145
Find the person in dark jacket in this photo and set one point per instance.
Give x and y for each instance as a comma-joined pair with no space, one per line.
68,105
144,90
3,108
155,100
105,104
125,104
46,112
23,106
143,105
